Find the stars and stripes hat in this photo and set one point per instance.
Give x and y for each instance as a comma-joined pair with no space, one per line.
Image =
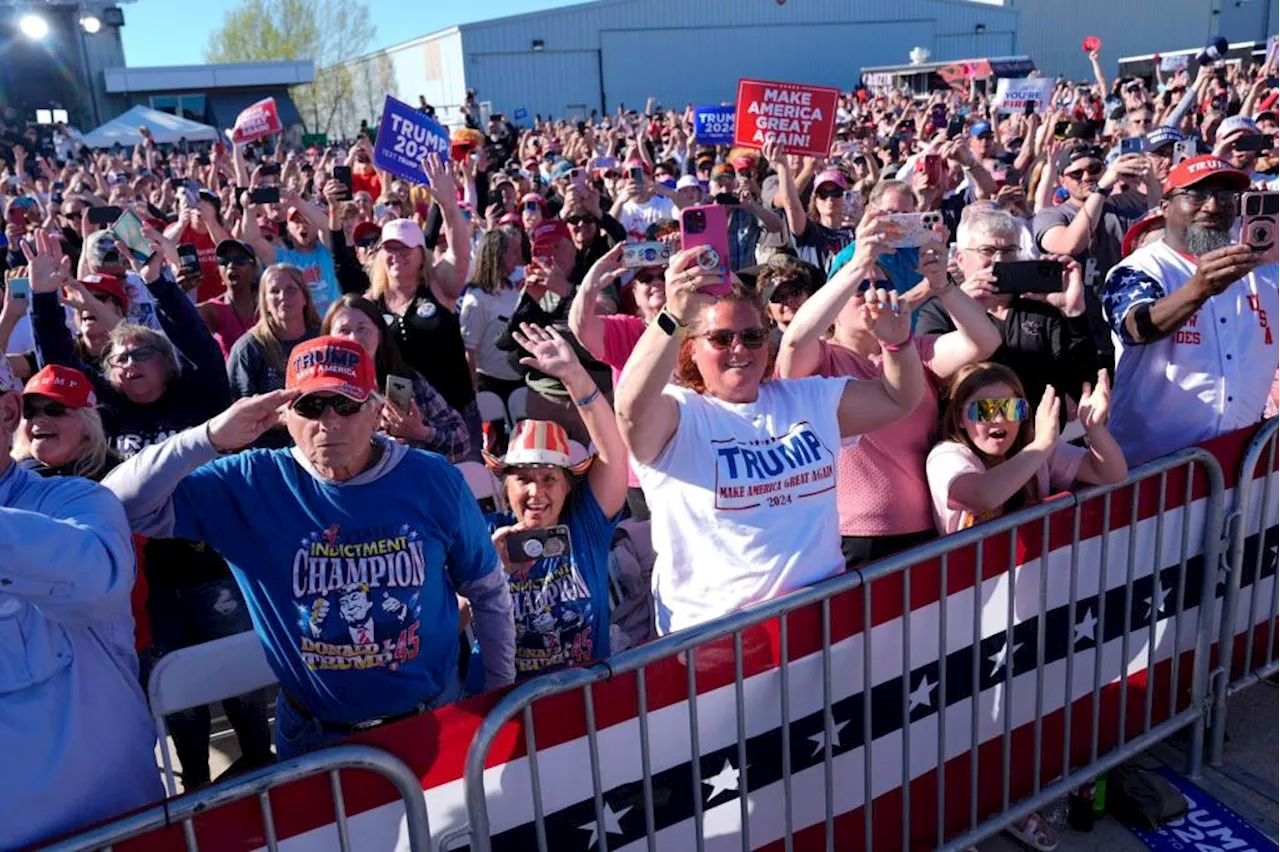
62,384
537,443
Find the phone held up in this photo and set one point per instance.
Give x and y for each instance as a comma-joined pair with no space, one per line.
637,255
547,542
910,230
104,215
188,257
399,392
1019,277
708,227
342,174
265,195
1258,224
19,288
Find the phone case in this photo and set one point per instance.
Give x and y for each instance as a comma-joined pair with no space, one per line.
20,288
1028,276
910,230
636,255
399,391
546,543
1258,224
708,226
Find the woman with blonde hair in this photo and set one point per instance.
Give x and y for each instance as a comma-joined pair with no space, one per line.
61,431
419,299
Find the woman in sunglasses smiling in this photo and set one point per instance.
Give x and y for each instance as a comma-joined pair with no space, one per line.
992,461
61,431
739,470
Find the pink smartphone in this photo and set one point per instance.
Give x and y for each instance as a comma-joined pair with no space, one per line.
708,227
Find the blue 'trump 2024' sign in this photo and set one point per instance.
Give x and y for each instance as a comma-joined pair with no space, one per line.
713,125
405,137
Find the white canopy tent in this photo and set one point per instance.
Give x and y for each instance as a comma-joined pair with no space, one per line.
165,128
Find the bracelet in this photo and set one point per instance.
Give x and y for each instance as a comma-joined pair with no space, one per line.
898,347
588,399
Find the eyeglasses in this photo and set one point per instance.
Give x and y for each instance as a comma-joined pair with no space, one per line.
580,220
31,409
751,338
1012,408
139,356
1200,197
829,193
989,252
1092,171
312,407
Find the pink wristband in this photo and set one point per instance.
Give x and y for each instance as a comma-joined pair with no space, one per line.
898,347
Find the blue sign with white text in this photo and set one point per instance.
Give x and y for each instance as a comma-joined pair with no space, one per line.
520,114
1207,826
713,125
405,137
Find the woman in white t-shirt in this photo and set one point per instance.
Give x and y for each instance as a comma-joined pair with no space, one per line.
990,462
485,309
739,471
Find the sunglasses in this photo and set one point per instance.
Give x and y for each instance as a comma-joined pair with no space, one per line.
234,260
834,192
649,277
312,407
367,244
31,409
139,356
1092,171
751,338
580,220
988,410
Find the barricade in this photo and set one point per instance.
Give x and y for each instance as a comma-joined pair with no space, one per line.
184,810
1247,555
928,700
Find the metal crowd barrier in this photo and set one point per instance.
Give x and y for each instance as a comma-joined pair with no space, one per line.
185,809
1237,534
898,570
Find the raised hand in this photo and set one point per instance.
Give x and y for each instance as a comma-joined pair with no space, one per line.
548,351
1095,404
443,188
248,419
1046,430
885,317
47,266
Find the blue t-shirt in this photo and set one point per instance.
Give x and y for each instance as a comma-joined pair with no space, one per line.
351,587
318,270
562,604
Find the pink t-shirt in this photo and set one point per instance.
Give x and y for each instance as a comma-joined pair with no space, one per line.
881,487
621,334
949,461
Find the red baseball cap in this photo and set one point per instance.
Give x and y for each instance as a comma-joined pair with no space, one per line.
365,230
533,198
546,234
108,285
1191,171
62,384
511,219
329,363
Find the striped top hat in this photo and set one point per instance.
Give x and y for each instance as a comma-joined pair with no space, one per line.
537,443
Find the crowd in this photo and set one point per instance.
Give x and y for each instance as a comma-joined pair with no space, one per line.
276,380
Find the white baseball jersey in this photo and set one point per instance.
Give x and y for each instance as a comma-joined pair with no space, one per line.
1209,377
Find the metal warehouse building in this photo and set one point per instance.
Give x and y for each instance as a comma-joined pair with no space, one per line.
598,55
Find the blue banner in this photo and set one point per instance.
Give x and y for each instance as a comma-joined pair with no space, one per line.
713,125
405,137
1207,826
520,114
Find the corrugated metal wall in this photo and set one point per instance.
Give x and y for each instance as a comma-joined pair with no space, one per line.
1051,31
681,51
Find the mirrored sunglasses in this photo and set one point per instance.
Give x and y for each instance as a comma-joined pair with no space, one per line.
1013,408
752,338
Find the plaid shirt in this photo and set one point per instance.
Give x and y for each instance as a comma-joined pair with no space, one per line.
446,430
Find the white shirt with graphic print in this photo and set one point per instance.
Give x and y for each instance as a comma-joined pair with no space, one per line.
743,499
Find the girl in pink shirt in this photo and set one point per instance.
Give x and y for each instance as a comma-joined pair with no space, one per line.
881,489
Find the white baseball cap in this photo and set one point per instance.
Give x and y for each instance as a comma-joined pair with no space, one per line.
404,231
687,181
1235,124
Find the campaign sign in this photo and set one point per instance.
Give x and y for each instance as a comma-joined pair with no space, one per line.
1207,826
1012,94
520,114
713,125
256,121
405,137
802,118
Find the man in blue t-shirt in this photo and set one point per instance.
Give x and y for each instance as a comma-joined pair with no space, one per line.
351,549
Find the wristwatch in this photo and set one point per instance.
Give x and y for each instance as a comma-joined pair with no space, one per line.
670,326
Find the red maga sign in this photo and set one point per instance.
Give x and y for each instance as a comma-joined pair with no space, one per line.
256,121
803,118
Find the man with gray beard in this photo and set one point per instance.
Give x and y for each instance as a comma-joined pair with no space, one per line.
1191,316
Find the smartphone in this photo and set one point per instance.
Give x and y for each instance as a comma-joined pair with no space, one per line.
1132,145
1254,142
104,215
1258,225
637,255
931,165
190,196
270,170
636,173
188,256
708,226
1061,129
1184,150
911,230
727,198
399,391
265,195
548,542
20,288
342,174
1029,107
1028,276
955,126
575,174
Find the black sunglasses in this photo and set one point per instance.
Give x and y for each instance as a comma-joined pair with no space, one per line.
752,338
649,277
234,260
367,244
580,220
31,409
830,193
312,407
1091,171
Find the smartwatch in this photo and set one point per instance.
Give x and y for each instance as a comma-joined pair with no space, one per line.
670,326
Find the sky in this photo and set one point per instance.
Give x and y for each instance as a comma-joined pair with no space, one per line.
151,27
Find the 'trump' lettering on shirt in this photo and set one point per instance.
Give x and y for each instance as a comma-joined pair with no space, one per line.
773,471
357,597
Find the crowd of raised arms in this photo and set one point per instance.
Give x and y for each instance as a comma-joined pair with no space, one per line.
269,397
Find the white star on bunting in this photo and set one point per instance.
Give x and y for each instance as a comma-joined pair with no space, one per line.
726,779
998,658
922,695
819,739
612,823
1087,628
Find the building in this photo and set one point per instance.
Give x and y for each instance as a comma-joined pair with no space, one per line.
600,55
